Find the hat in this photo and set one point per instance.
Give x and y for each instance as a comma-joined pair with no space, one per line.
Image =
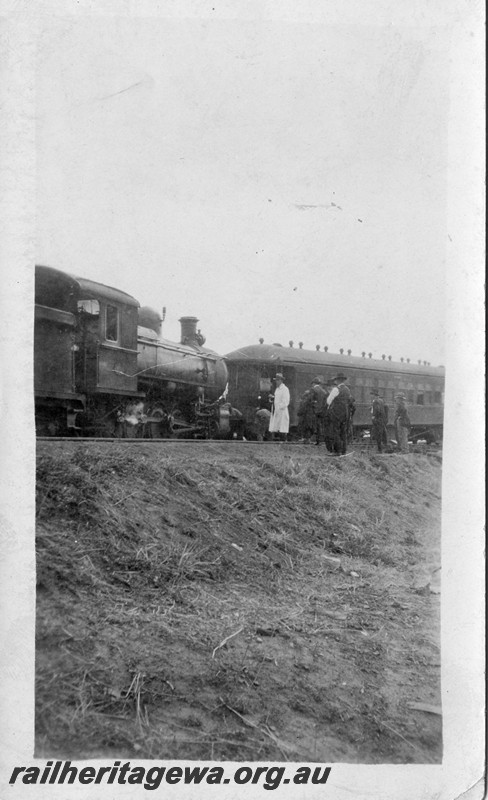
340,377
318,379
375,392
330,381
280,376
400,396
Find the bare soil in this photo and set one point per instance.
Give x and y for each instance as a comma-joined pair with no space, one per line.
223,601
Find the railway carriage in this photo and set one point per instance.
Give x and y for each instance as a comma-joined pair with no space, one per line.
252,369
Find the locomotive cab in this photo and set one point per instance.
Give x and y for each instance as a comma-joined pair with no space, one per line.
85,351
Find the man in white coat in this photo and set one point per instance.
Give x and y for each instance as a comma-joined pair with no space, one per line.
280,419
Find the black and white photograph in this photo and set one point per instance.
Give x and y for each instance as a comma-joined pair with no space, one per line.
243,400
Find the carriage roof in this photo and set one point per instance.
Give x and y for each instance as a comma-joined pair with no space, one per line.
292,356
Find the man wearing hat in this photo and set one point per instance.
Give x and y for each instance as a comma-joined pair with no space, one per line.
402,422
339,408
338,388
379,416
319,399
280,419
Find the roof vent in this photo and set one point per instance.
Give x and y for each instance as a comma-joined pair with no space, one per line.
300,345
402,359
341,351
261,341
325,348
408,361
383,356
317,347
363,354
389,358
419,361
349,352
290,343
370,355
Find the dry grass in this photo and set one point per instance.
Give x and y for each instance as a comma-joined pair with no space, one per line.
185,609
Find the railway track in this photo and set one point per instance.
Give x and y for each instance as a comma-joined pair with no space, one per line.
128,440
226,443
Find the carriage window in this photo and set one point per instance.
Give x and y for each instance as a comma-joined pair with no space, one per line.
111,323
438,398
91,307
420,399
411,396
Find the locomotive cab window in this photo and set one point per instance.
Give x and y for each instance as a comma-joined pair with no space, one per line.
91,307
111,323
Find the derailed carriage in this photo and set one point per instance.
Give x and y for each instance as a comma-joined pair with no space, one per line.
101,367
252,369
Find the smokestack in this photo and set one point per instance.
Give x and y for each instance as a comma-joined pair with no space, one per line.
189,330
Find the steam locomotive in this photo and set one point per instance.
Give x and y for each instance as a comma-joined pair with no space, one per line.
101,367
252,369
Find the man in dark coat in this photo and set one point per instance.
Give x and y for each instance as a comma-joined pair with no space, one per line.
339,405
379,417
319,402
402,422
306,417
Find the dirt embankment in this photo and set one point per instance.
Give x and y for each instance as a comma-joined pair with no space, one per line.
229,602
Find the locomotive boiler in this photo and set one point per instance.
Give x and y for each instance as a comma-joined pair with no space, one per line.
181,381
101,367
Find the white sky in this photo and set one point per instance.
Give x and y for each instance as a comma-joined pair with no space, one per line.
175,157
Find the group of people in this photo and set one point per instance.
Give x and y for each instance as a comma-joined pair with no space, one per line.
379,418
325,413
